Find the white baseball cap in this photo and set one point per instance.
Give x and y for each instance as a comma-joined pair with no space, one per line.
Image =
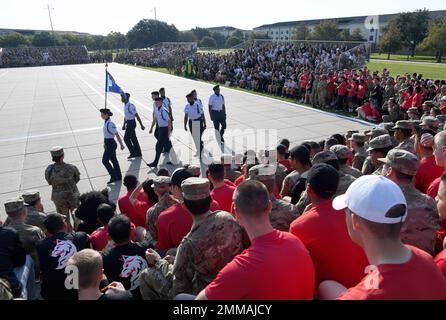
443,98
371,197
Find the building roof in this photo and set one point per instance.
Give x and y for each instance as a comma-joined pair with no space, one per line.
384,18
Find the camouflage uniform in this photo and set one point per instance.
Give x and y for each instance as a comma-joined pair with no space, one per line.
5,290
29,236
367,167
281,173
345,180
63,178
380,142
407,144
288,183
165,202
282,214
314,91
422,222
35,218
213,242
341,153
322,93
361,153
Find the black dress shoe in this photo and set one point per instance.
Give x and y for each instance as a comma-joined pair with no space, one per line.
169,163
131,157
152,165
112,180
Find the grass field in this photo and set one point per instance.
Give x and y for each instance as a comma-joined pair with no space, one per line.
431,71
403,57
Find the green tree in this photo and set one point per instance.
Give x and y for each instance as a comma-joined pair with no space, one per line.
208,42
14,39
43,39
391,40
233,41
436,38
148,32
413,27
302,32
238,34
220,39
187,36
200,33
326,30
115,40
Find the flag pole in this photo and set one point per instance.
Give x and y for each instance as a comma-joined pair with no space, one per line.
106,84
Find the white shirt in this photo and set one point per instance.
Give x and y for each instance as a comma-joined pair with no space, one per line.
129,111
109,129
167,102
216,102
194,111
162,117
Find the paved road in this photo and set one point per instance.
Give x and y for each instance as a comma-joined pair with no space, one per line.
46,106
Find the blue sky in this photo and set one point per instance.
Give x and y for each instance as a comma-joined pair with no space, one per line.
101,17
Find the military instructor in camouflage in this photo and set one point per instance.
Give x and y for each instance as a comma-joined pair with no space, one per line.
63,177
214,240
282,213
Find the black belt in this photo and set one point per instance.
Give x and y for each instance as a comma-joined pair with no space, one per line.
199,119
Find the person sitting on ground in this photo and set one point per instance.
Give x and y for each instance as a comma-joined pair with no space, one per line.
54,252
376,209
272,252
99,238
91,273
323,227
124,261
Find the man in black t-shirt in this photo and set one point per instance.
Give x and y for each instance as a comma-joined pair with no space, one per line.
126,260
54,253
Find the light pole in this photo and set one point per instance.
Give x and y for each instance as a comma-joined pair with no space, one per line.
51,23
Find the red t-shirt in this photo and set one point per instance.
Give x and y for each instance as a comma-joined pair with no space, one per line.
417,279
407,103
239,180
136,213
99,238
303,80
361,92
427,173
417,100
174,223
440,260
287,164
275,267
223,196
335,256
229,183
352,91
342,89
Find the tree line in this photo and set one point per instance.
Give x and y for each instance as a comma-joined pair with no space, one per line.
415,31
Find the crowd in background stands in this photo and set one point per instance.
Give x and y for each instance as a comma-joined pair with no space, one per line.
100,56
171,57
33,56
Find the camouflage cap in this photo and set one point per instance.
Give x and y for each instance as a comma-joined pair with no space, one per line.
350,133
263,172
413,110
403,161
388,126
194,170
56,151
430,122
196,189
403,124
358,137
14,204
377,132
340,151
159,181
386,118
429,103
380,142
441,117
323,157
31,196
416,124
